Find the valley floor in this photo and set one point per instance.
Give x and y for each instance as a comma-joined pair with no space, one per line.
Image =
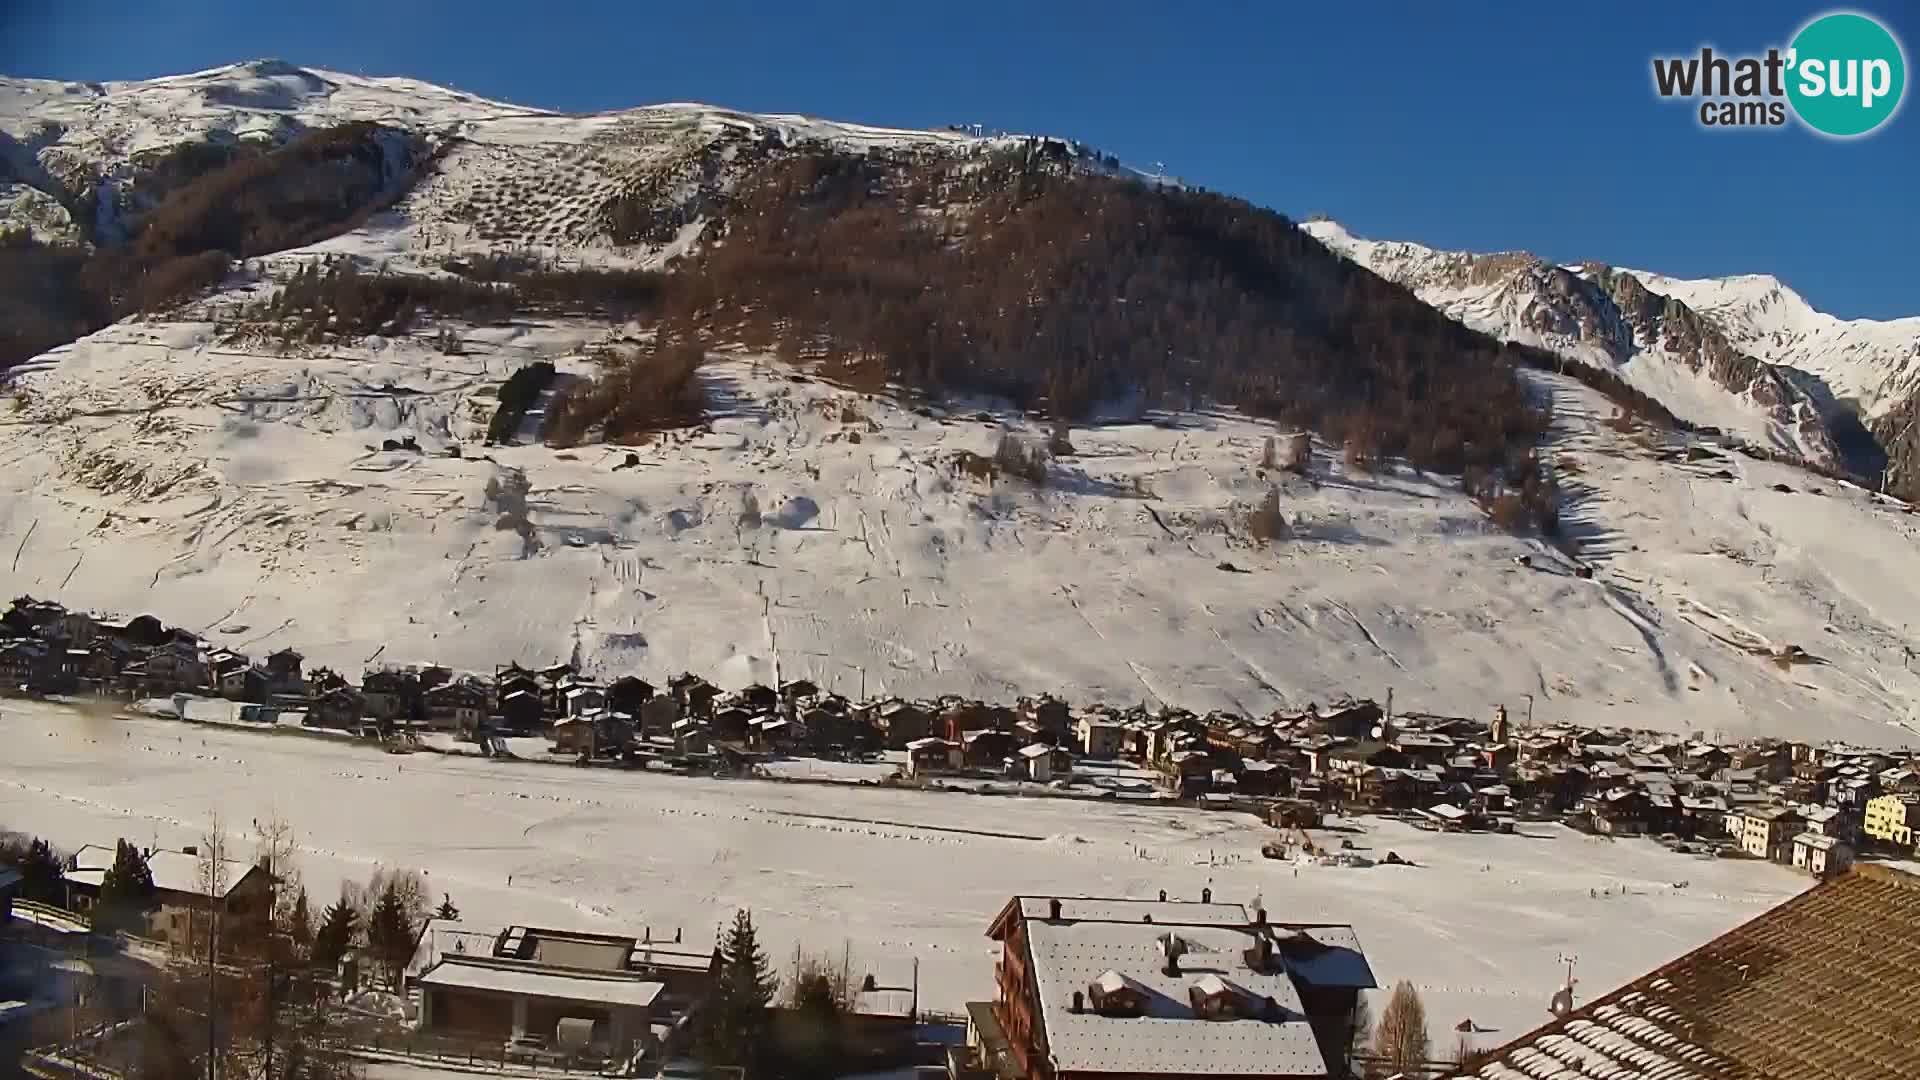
1480,924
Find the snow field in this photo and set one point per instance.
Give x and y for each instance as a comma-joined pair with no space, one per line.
1479,924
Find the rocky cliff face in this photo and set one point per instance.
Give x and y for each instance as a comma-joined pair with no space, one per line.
1695,362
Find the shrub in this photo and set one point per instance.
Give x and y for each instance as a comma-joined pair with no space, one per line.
638,393
1265,522
1015,456
517,395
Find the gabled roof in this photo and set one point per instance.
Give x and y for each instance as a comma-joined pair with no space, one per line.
1825,985
173,871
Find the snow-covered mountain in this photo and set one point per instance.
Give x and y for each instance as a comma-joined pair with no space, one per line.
69,152
341,497
1745,354
1872,363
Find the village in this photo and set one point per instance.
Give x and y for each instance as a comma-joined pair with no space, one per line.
1811,806
540,999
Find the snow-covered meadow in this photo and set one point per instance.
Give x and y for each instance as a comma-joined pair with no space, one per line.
1481,924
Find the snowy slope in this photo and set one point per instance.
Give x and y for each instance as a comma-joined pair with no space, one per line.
1588,314
153,467
1875,363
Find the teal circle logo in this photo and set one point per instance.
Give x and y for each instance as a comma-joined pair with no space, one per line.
1846,76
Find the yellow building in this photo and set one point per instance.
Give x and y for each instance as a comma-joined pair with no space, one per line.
1893,818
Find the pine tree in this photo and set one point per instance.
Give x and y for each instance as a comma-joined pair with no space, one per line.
126,892
40,873
734,1026
1400,1040
335,935
810,1038
300,924
446,910
390,933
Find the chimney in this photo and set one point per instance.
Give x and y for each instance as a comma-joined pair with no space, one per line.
1079,1002
1053,909
676,935
1259,916
1148,917
1206,896
1163,896
1173,961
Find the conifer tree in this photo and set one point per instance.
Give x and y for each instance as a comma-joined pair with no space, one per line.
40,872
335,936
126,892
734,1027
446,910
390,933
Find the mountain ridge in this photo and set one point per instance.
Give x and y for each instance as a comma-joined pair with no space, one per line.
1744,353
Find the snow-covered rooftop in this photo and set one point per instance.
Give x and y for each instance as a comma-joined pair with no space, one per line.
507,977
172,871
1170,1037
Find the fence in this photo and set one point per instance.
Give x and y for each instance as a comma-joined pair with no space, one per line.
477,1054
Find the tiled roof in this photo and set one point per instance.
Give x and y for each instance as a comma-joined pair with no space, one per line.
1823,987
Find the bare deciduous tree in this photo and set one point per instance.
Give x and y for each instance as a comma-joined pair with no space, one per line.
274,850
837,972
212,880
1400,1039
1463,1057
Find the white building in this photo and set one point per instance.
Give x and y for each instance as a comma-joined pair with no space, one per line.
1821,855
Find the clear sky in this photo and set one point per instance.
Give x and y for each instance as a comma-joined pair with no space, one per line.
1469,125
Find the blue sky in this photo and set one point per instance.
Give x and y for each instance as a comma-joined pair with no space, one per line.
1472,125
